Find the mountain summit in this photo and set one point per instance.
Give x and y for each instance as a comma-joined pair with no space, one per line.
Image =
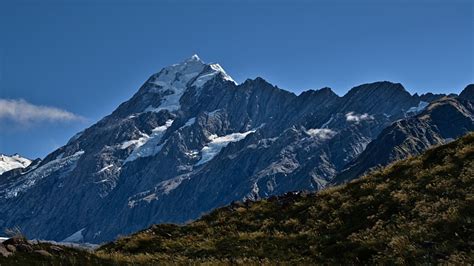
191,139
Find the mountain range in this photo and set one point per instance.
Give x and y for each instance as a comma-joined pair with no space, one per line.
192,140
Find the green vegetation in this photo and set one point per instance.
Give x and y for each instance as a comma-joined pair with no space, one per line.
420,210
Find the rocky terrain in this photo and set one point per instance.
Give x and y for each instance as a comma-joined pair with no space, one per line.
17,250
192,140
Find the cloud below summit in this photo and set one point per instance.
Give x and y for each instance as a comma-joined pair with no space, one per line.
24,113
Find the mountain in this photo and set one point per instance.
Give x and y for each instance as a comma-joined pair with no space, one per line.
441,122
468,93
15,161
415,211
190,140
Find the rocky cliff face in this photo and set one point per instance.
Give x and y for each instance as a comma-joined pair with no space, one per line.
191,140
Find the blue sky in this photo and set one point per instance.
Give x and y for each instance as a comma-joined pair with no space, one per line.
71,62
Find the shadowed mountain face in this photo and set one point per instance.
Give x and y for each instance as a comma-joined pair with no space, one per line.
468,93
191,140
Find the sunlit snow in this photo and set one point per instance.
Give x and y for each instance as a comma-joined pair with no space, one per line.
76,237
214,70
416,109
172,81
353,117
147,145
8,163
23,183
218,143
321,133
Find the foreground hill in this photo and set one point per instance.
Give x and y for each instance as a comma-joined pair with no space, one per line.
417,210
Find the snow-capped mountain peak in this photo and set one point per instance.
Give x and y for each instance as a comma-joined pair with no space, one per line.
194,57
8,163
172,81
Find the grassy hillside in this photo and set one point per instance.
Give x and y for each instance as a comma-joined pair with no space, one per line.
417,210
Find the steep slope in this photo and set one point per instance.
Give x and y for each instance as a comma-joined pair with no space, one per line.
441,122
15,161
468,93
191,140
419,210
366,98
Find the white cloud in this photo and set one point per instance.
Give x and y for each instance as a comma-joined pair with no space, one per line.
353,117
321,133
23,112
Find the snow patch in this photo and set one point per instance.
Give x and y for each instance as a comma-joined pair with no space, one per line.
76,237
8,163
253,194
417,109
213,71
192,153
147,145
326,124
353,117
26,181
172,82
135,142
105,168
321,133
190,122
168,185
163,188
217,143
214,113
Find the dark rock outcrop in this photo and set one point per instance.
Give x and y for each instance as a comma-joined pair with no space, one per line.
468,93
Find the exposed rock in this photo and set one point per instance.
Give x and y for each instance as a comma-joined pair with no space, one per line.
56,249
16,240
11,248
24,248
43,253
4,252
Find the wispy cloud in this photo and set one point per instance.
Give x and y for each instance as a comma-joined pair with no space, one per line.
353,117
25,113
321,133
